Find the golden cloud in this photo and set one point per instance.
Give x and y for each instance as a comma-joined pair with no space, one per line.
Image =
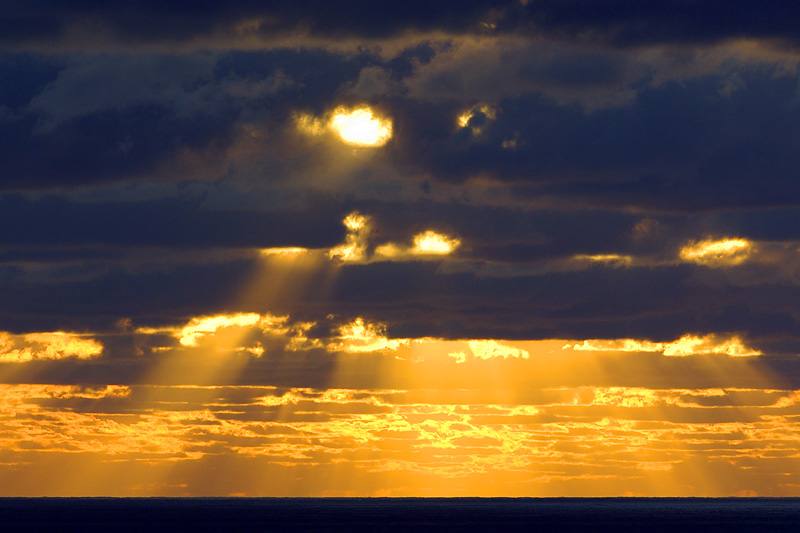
432,243
717,253
685,346
356,246
234,327
360,336
50,345
490,349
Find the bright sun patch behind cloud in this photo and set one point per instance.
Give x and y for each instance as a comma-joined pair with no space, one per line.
360,127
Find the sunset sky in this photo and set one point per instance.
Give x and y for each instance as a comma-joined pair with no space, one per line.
400,248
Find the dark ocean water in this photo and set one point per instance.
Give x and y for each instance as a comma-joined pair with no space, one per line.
648,515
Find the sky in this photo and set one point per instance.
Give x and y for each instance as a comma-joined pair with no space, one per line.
406,248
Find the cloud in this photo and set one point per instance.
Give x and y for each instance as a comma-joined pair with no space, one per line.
239,331
358,248
248,23
47,346
685,346
717,253
487,349
359,336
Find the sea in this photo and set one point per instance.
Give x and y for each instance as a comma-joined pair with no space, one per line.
644,515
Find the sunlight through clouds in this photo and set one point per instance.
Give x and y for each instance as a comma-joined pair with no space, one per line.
516,248
357,126
360,127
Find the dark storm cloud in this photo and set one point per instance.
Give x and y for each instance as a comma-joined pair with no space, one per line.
162,297
676,147
618,22
54,221
656,303
146,21
626,23
85,119
90,149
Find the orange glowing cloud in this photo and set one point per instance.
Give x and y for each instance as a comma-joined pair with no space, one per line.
208,329
356,247
489,349
360,336
52,345
685,346
434,243
717,253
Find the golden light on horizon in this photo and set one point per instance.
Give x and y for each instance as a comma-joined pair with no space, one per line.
717,253
360,126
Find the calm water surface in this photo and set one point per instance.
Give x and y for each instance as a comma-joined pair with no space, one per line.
400,514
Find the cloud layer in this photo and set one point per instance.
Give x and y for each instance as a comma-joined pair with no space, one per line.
321,236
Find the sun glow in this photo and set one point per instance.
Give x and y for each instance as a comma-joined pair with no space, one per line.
360,127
